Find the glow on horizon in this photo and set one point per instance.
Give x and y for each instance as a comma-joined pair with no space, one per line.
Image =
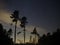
5,17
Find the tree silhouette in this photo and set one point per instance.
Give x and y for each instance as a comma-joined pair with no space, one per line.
9,32
15,17
4,39
35,33
49,39
23,23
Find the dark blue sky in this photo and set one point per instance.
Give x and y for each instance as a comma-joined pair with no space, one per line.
43,13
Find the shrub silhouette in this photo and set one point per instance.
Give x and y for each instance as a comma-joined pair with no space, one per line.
49,39
4,39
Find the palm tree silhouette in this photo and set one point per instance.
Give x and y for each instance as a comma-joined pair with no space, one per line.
15,17
23,23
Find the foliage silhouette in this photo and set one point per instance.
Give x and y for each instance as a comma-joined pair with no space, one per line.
15,17
35,33
10,32
23,23
4,38
49,39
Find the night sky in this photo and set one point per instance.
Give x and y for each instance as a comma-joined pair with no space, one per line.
43,14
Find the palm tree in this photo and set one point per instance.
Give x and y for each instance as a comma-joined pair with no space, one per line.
15,17
23,23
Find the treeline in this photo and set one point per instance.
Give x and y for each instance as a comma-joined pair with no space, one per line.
49,39
4,37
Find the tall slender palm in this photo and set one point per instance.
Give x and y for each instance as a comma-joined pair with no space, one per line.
23,23
15,17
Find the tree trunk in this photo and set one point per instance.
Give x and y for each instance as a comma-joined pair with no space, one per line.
15,32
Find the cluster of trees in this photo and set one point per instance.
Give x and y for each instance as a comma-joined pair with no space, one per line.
15,18
49,39
5,36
